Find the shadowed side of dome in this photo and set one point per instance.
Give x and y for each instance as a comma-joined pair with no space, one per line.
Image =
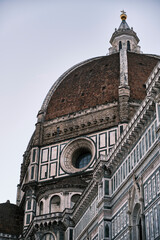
92,84
11,219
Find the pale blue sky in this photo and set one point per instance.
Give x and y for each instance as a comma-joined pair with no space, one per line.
39,40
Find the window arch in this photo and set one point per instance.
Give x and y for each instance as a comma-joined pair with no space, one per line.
128,46
41,208
48,236
120,45
55,204
74,199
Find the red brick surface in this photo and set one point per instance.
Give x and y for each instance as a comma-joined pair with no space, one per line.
93,84
97,82
139,67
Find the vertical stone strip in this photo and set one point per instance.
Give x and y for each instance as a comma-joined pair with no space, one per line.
123,67
124,89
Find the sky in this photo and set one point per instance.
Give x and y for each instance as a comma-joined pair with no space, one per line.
41,39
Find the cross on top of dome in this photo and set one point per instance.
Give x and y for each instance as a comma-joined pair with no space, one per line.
123,16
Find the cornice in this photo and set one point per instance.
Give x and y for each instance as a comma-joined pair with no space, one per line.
120,32
80,114
153,84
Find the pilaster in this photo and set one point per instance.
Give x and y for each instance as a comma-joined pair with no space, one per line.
124,94
124,89
123,66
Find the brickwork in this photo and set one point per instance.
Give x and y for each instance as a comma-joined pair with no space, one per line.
140,67
92,84
97,83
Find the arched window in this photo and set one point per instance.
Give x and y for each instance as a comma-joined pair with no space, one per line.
55,204
120,45
48,236
29,204
41,208
128,46
74,199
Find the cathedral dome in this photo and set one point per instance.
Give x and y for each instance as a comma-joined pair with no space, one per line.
11,219
94,141
95,82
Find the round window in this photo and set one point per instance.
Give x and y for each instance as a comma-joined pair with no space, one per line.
77,155
81,158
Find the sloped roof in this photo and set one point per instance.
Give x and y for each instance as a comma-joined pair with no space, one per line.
11,219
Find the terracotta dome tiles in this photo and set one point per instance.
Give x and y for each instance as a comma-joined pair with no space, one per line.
97,82
92,84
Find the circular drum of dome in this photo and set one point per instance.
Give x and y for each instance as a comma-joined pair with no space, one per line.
77,155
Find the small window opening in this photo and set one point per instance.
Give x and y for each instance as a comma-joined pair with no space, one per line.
28,219
128,46
121,129
41,208
29,205
120,45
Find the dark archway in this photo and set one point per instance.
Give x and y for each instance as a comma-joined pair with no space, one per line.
140,229
137,223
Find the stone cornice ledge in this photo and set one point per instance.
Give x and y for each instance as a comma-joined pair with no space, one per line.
81,113
135,126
